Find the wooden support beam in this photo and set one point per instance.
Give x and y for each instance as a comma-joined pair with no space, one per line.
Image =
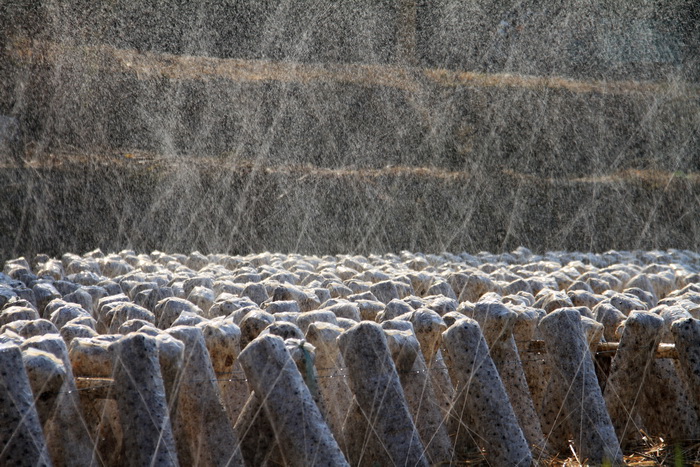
98,388
146,65
101,388
609,348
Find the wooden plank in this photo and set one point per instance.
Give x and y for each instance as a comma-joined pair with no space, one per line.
98,388
609,348
145,65
662,351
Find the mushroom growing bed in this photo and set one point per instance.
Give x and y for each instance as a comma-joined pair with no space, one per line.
408,359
